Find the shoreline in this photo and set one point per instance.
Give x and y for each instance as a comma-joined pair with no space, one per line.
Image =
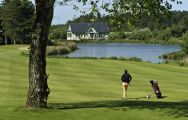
169,42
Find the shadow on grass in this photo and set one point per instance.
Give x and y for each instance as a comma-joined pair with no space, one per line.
175,109
138,98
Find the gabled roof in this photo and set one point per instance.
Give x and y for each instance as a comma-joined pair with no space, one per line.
83,27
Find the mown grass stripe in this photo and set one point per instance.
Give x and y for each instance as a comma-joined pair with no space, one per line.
84,88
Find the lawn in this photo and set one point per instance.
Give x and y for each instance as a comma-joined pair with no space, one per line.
91,90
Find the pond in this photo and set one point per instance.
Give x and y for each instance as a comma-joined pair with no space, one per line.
147,52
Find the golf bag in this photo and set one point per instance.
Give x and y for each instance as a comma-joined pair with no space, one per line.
156,89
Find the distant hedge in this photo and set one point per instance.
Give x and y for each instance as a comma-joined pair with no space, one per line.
105,58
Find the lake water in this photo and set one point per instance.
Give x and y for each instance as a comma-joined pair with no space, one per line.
147,52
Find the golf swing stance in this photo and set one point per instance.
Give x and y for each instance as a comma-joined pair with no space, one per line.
126,79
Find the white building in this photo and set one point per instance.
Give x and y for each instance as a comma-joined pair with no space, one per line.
77,31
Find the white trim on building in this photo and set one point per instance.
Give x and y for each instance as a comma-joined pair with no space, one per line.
89,33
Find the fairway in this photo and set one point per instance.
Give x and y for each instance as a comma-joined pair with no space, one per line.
83,89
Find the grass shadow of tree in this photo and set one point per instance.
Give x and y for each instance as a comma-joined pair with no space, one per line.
138,98
175,109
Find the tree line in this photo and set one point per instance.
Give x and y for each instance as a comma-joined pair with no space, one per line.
168,27
16,21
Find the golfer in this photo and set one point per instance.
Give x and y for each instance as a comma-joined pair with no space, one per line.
126,79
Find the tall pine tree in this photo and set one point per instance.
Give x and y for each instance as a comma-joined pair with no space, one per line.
17,18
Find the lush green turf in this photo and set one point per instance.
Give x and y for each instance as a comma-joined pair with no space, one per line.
91,90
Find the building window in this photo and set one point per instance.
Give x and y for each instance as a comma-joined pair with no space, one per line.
69,35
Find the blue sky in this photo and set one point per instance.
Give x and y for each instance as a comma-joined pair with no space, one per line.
65,13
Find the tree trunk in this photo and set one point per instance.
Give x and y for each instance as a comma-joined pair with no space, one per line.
6,42
38,87
14,41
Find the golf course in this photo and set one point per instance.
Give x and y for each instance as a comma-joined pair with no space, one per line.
88,89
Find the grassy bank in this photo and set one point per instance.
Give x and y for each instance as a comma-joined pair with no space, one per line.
179,57
84,89
55,49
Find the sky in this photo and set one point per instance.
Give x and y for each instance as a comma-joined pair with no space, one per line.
64,13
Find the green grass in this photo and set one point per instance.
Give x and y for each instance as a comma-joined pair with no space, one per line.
91,90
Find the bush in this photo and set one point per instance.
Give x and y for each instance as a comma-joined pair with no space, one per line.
58,32
181,63
1,39
165,56
166,61
185,42
117,35
109,58
57,50
174,55
88,57
61,48
122,58
113,58
24,53
141,34
164,34
105,58
135,59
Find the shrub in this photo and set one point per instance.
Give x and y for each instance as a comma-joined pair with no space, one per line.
102,58
57,50
174,55
61,48
165,56
88,57
164,34
24,53
113,58
135,59
117,35
166,61
122,58
185,42
181,63
109,58
141,34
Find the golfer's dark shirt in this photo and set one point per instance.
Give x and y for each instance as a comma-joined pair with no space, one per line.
126,77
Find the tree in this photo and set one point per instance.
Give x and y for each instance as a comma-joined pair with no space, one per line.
17,19
185,42
38,87
58,32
